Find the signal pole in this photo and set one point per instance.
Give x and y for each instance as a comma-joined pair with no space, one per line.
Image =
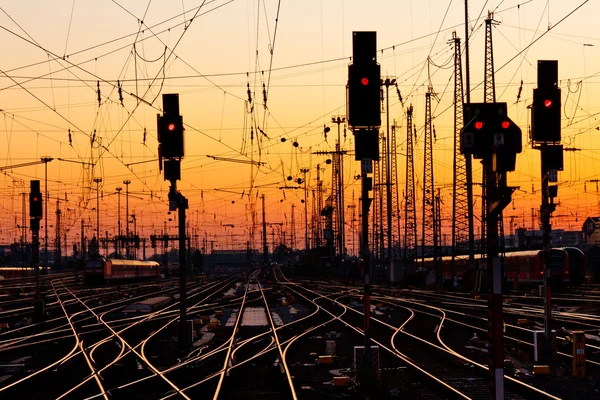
36,213
492,137
364,115
171,149
546,136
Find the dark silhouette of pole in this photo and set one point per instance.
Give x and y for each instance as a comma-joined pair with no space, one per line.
264,233
126,183
98,180
307,242
46,160
119,220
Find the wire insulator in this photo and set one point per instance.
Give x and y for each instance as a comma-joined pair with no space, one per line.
70,138
249,93
120,92
99,97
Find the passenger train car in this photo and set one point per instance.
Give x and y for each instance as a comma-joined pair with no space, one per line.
577,266
107,270
527,264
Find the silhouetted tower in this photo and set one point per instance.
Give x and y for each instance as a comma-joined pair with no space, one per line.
410,215
383,210
395,196
429,233
335,197
376,214
490,97
438,230
462,198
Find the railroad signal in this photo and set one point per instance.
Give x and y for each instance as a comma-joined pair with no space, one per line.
546,109
364,82
492,136
35,200
170,136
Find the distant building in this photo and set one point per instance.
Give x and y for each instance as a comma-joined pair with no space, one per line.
591,230
526,239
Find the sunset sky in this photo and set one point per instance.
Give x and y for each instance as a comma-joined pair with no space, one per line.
53,54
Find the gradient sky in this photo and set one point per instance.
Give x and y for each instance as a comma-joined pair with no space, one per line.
52,55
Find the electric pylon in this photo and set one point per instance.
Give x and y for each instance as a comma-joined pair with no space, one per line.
410,215
375,238
395,196
462,215
429,233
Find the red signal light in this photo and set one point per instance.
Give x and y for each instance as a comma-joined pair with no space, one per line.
505,124
171,127
35,199
364,81
547,103
478,125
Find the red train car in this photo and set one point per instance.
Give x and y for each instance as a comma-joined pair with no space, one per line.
106,270
577,265
528,264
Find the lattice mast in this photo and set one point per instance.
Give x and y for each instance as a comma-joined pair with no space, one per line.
318,227
375,226
462,212
489,96
383,209
335,196
410,215
429,233
395,196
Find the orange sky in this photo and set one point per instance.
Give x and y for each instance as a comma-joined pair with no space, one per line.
53,55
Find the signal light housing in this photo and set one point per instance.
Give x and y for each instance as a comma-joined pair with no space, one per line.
170,136
364,95
35,200
546,108
491,132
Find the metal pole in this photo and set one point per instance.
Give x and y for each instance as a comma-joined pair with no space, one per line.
46,160
366,202
468,161
264,233
82,241
494,275
388,178
98,180
126,183
181,206
307,243
119,220
546,228
57,257
37,304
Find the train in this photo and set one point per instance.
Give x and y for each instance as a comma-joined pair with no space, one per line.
577,265
525,267
110,270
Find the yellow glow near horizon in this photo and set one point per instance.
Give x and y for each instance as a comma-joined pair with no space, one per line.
52,59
